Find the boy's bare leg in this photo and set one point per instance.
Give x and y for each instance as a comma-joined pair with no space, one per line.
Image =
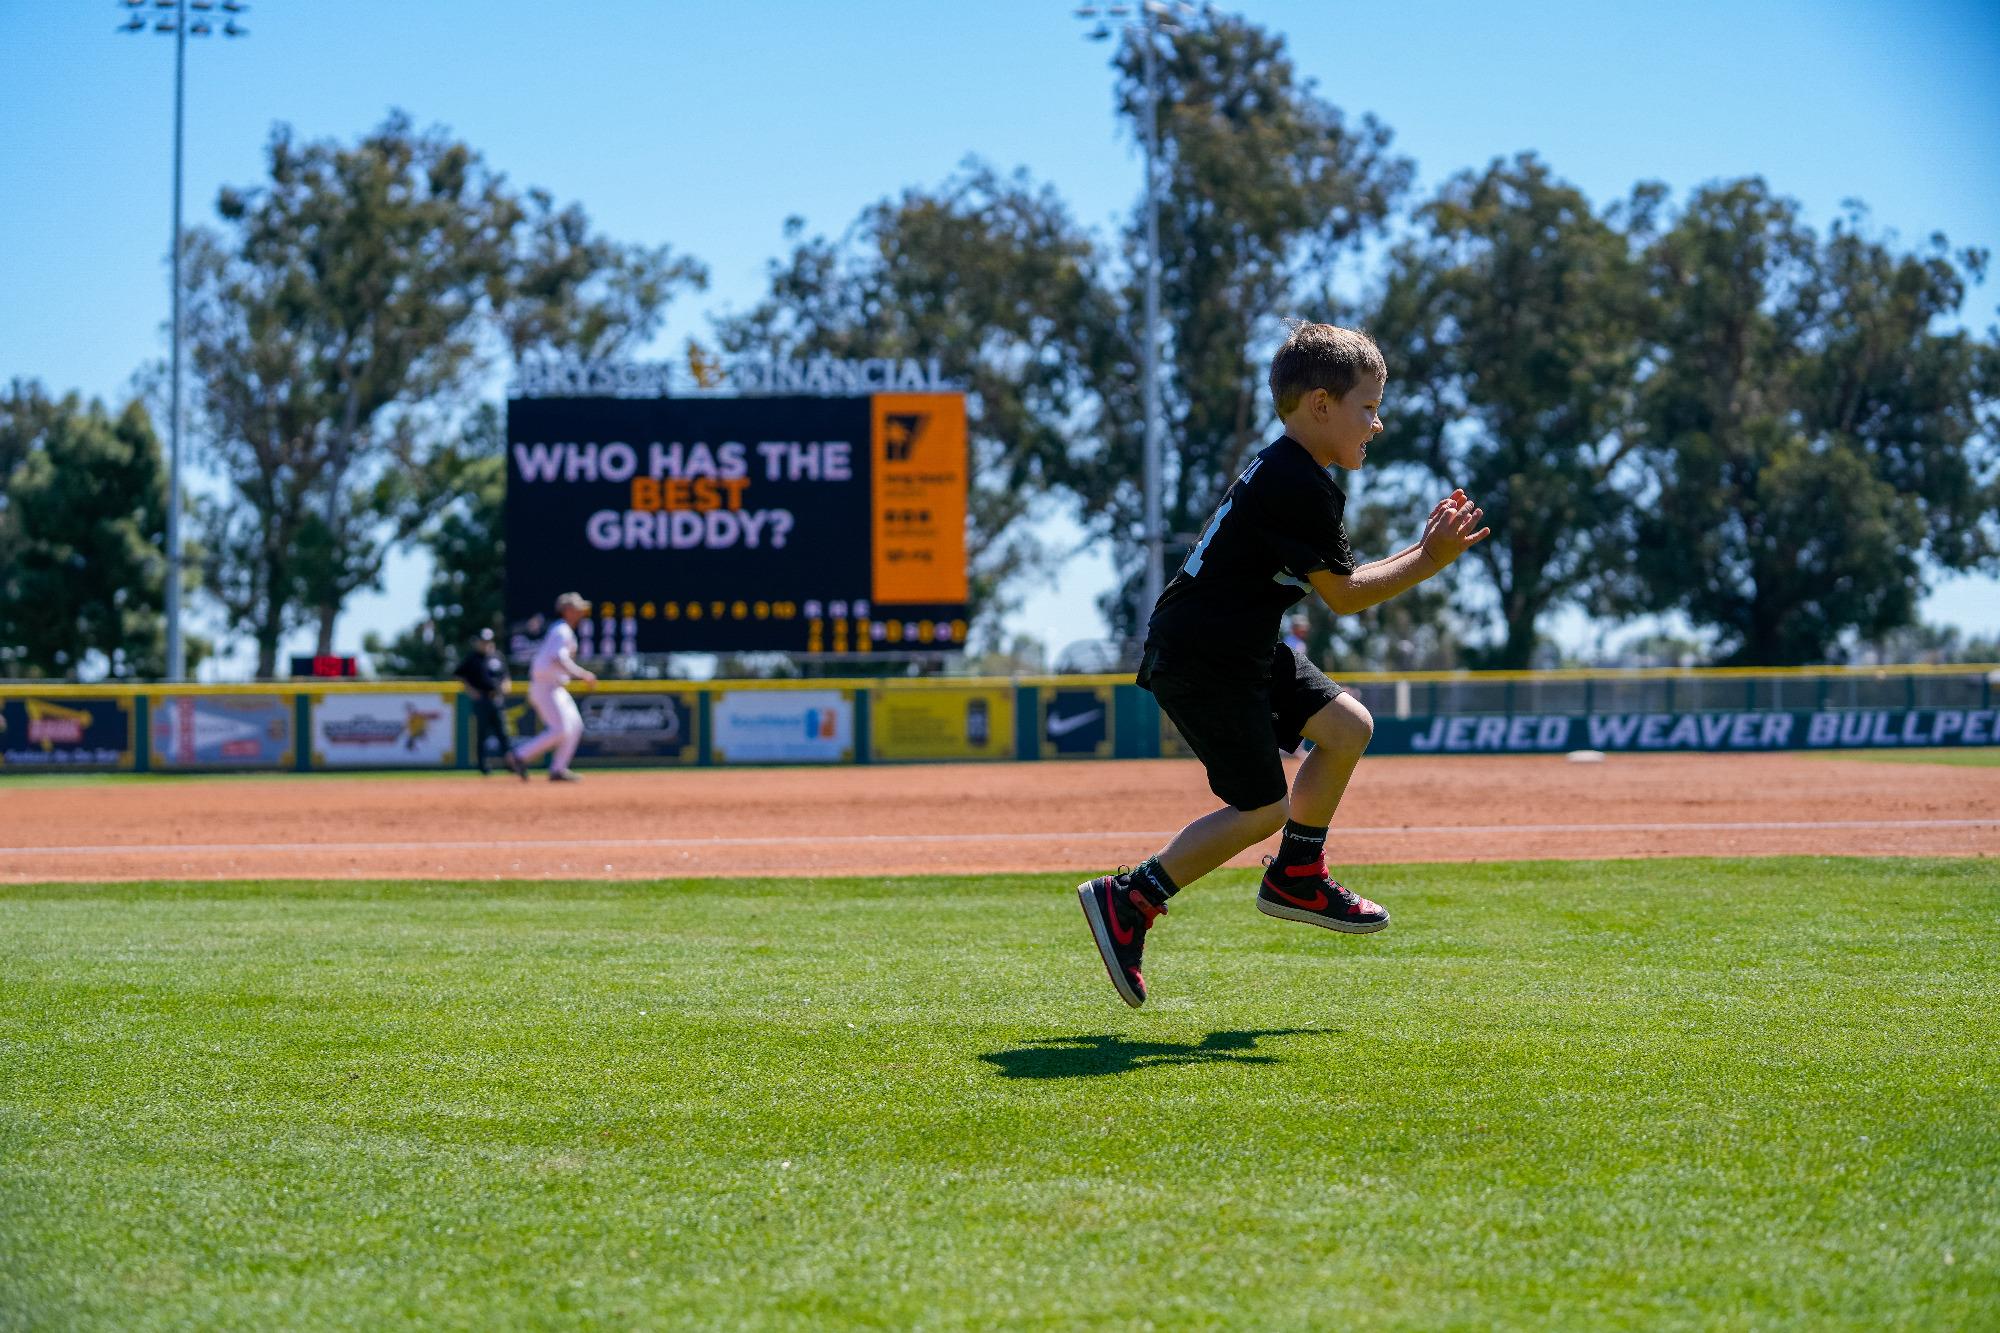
1120,909
1340,732
1214,838
1297,886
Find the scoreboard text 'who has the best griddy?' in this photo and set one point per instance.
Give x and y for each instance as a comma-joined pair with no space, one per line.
802,524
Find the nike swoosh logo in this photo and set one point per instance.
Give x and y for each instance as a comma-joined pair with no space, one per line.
1121,936
1318,903
1063,726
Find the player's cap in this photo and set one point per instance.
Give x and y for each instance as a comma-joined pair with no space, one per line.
486,636
569,599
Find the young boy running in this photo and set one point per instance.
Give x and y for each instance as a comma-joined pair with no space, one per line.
1214,661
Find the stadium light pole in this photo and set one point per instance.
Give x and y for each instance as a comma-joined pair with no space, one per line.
1142,23
173,17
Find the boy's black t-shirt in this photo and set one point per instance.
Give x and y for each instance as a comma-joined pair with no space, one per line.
1280,521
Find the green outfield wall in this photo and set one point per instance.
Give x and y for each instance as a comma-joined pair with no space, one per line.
325,726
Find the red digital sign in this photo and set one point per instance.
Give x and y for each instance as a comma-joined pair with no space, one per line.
324,665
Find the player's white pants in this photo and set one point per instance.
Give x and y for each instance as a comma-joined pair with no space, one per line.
562,726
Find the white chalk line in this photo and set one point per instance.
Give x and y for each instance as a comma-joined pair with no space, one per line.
891,839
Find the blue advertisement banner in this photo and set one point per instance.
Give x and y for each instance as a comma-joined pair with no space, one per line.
1076,722
221,731
1558,733
69,733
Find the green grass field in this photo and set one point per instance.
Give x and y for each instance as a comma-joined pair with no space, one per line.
1595,1095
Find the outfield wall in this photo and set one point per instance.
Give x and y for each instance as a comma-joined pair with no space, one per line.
326,726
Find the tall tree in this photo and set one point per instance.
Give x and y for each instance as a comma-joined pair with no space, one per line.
1510,322
82,522
336,323
1814,429
463,497
988,274
575,292
1264,185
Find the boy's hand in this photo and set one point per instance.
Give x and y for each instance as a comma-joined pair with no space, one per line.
1452,501
1451,529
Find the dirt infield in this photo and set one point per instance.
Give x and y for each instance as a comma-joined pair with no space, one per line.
967,818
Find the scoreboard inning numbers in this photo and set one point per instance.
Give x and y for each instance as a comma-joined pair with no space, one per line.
325,665
795,524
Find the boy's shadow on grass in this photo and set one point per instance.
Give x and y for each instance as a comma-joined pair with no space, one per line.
1096,1056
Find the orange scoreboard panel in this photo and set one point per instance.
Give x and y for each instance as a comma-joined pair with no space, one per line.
919,485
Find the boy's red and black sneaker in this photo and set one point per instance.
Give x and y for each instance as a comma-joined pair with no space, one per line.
1119,917
1305,893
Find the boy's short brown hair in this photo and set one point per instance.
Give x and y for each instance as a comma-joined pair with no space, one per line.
1322,356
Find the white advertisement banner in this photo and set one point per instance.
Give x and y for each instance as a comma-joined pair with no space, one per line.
382,730
783,727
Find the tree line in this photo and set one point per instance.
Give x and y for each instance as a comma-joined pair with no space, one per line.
1699,405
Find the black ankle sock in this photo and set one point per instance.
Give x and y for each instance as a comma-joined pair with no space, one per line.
1153,881
1302,844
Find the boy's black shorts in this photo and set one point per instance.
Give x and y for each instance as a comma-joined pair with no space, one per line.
1237,727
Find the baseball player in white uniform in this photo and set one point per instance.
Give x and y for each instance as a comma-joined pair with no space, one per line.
554,668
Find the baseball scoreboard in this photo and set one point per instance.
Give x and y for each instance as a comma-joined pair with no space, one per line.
711,524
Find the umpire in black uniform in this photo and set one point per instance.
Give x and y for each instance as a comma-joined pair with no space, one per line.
485,677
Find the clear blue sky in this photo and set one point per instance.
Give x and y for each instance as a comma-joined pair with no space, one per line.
705,126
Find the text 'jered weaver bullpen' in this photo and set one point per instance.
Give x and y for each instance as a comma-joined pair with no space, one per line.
796,524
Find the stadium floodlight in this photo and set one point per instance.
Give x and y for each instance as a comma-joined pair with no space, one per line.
1145,25
182,27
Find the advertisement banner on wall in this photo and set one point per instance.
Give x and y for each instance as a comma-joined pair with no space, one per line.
646,728
942,724
783,727
660,728
796,523
65,733
1076,722
1726,731
221,731
382,730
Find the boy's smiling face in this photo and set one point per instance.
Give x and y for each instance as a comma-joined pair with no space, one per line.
1336,431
